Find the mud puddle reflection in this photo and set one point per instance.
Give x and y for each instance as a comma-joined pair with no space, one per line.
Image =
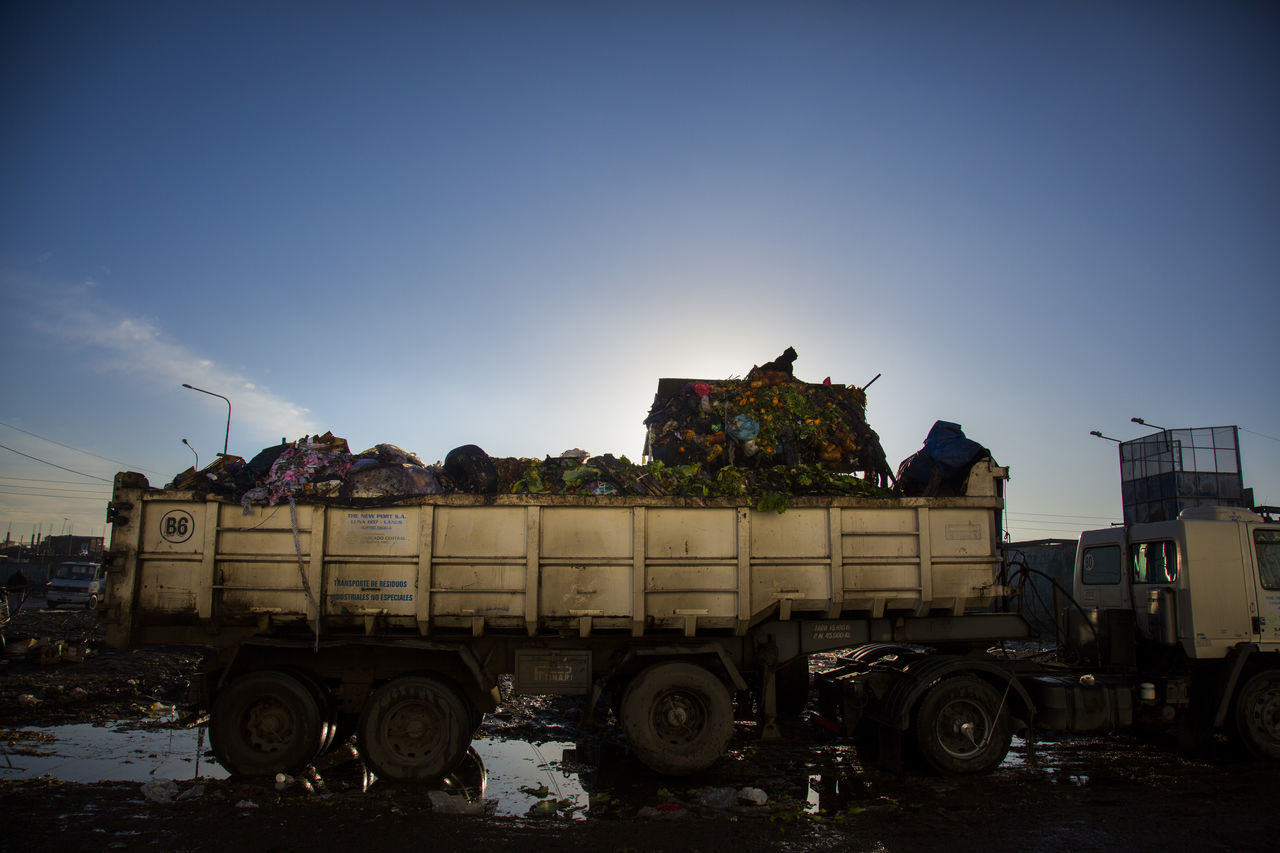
505,776
513,776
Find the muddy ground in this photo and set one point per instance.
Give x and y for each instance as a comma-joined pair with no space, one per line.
1082,793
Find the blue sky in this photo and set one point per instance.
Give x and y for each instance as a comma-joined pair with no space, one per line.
501,222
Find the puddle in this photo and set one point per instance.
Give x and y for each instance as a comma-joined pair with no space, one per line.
514,775
88,753
521,774
504,777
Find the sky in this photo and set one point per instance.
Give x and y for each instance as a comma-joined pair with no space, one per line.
500,223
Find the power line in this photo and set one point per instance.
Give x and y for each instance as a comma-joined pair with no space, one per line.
55,465
1260,435
43,490
68,497
128,465
50,482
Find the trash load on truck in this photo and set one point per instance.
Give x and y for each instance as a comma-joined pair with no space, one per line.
770,418
767,437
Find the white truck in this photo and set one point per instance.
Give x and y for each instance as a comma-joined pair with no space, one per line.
1172,623
396,621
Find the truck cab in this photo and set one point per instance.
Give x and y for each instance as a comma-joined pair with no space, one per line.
1204,583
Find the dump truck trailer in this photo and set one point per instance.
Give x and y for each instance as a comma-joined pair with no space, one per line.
396,621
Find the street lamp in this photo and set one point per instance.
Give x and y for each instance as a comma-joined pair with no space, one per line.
227,438
1100,435
1145,424
193,450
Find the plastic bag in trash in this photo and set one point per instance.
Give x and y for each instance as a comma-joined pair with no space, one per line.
471,470
942,466
391,480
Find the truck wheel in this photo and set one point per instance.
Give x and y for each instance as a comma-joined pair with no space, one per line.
414,729
677,717
961,727
324,704
265,722
1258,714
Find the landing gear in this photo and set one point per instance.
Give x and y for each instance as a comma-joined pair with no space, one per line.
266,722
678,717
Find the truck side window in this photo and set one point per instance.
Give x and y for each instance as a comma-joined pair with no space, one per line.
1154,562
1267,545
1101,565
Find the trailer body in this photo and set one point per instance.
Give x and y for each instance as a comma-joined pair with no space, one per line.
672,605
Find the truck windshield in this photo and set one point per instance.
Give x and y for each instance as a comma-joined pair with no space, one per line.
75,572
1267,543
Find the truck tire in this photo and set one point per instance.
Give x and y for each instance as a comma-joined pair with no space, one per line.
962,727
266,722
1258,714
324,705
414,729
678,717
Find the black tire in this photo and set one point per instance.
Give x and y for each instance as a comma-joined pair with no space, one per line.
1258,714
962,728
678,717
265,722
414,729
344,726
324,704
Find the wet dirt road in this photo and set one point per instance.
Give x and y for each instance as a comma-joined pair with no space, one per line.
538,783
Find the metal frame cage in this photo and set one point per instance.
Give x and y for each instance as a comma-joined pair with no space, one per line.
1166,472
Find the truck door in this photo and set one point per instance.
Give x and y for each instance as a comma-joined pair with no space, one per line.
1100,581
1266,555
1153,568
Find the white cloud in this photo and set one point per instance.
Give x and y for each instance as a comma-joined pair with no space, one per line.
118,343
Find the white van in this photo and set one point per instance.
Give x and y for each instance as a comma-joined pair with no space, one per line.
74,584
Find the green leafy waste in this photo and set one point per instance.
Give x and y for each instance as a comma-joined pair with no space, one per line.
770,488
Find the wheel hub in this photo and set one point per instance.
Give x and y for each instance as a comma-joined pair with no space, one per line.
963,728
411,730
678,717
268,726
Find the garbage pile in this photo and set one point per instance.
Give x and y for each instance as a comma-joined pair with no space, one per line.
770,418
316,468
766,437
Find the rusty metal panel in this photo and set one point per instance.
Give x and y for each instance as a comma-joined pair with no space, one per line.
586,533
586,590
691,533
796,533
480,531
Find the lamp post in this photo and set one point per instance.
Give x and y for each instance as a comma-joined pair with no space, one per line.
1145,424
1094,432
227,438
193,450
